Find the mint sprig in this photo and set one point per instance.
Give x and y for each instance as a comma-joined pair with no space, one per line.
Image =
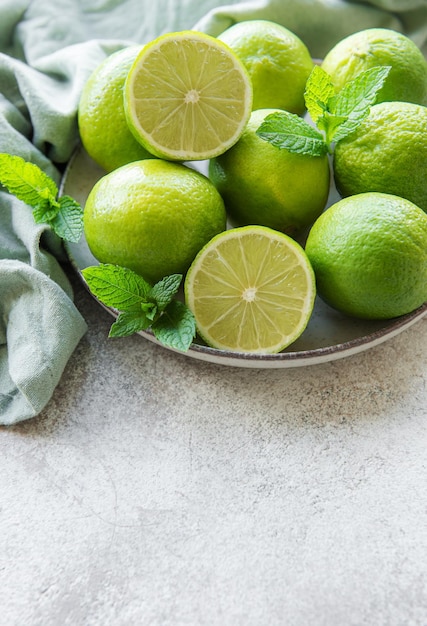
141,306
30,184
335,116
289,131
356,98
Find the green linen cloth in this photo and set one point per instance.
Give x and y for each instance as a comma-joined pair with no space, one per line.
47,51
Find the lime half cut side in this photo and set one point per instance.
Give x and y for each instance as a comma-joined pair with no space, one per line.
251,289
187,97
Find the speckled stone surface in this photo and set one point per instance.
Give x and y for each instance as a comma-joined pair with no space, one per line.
159,490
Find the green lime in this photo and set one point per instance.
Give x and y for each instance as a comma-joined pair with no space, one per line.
407,80
251,289
278,63
152,216
102,122
266,185
187,96
386,153
369,255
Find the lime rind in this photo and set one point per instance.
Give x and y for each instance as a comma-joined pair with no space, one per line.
251,289
152,216
103,127
369,254
407,80
187,97
277,60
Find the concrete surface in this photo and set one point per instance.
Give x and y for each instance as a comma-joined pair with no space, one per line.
158,490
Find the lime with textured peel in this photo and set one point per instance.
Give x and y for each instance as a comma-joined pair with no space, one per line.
278,63
101,116
407,80
369,255
187,96
386,153
251,289
152,216
266,185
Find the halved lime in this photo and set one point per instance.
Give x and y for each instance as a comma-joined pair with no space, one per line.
187,96
251,289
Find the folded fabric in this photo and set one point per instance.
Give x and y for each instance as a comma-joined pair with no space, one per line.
47,52
321,23
42,329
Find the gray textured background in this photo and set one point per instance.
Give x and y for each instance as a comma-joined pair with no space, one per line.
159,490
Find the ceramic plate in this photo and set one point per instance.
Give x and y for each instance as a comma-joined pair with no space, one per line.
328,336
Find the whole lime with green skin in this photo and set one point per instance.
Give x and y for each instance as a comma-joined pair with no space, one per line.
277,60
152,216
263,184
407,80
386,153
369,256
101,116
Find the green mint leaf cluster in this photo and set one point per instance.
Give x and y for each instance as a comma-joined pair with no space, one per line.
141,306
335,116
30,184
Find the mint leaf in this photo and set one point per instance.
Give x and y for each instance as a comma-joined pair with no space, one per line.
150,310
318,91
26,180
165,289
45,211
356,98
340,114
289,131
128,323
68,221
362,91
116,286
141,306
329,123
176,327
31,185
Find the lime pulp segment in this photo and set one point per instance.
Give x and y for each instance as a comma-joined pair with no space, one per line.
187,96
251,289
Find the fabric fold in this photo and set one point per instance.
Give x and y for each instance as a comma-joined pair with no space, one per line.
39,329
321,24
